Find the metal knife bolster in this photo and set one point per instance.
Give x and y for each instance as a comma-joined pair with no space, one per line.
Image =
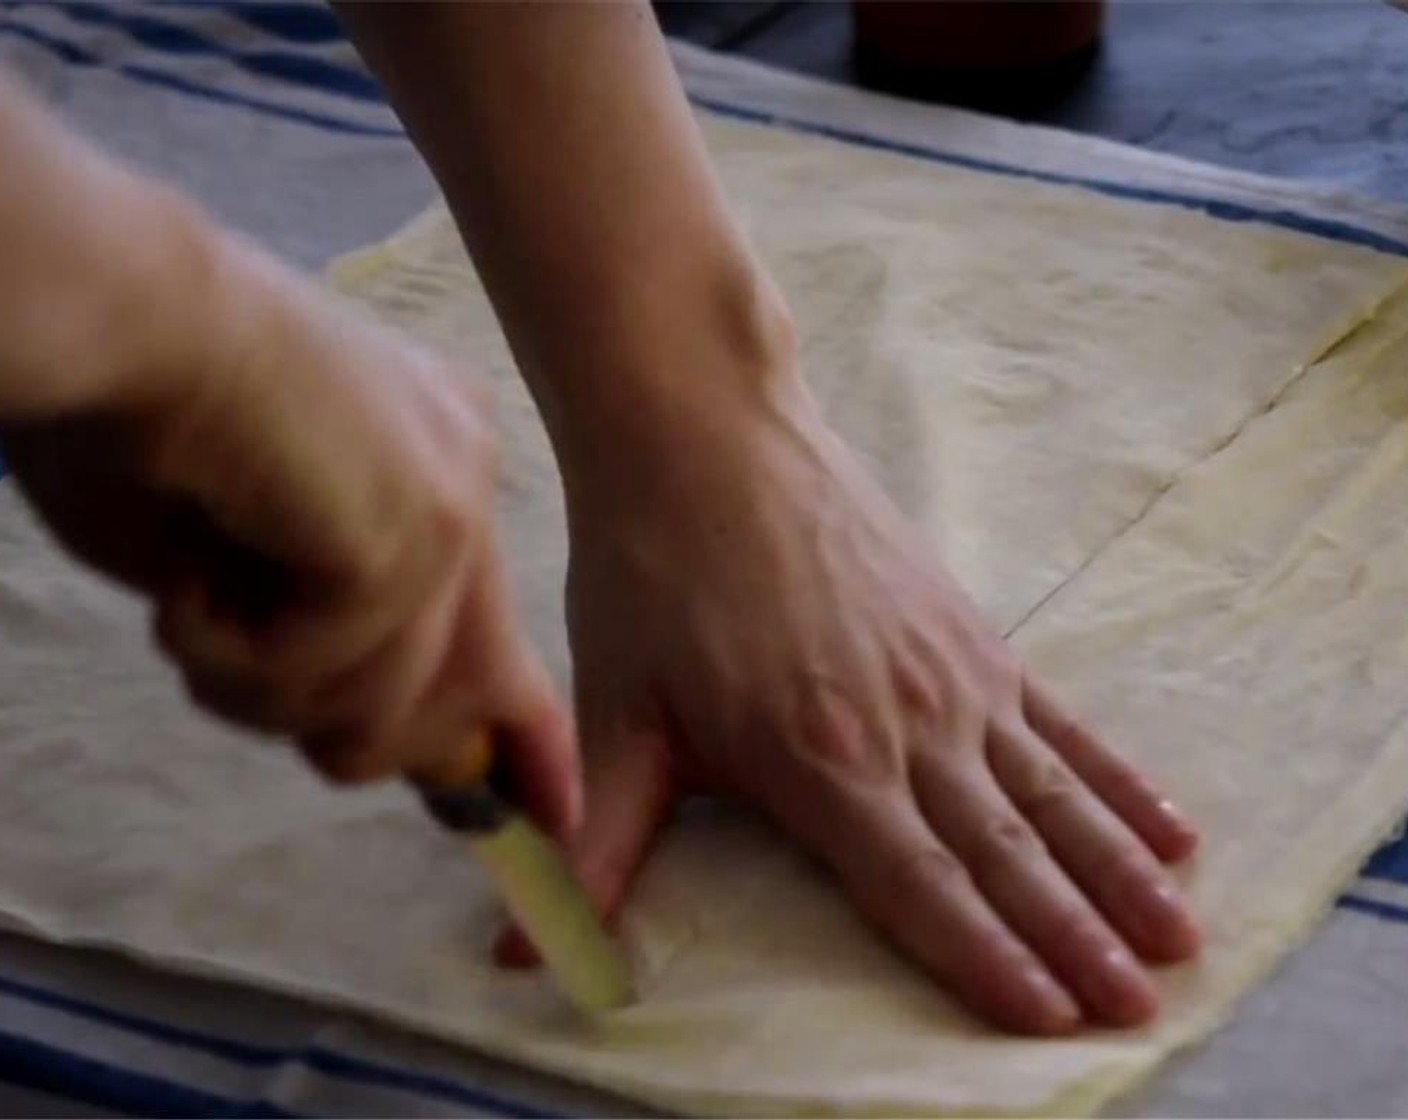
472,810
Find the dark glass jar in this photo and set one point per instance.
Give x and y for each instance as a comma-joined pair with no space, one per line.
1002,55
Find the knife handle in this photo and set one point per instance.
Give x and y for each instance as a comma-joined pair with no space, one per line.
457,790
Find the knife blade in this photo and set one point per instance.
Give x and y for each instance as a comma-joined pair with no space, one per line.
533,879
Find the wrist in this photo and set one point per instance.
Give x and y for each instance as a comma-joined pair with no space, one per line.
170,295
233,309
89,282
710,357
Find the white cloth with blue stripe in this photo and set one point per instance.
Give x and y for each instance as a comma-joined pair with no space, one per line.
91,1027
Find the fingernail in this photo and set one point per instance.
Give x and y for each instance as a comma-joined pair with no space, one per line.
1165,930
1059,1012
1120,991
1179,825
1154,919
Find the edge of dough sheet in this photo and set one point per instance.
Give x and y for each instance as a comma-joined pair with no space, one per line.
1086,1097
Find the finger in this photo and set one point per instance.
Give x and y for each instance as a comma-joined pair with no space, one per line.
238,700
353,728
535,752
1013,871
912,889
1155,819
411,703
530,723
219,685
196,632
1097,849
629,794
237,612
460,667
539,746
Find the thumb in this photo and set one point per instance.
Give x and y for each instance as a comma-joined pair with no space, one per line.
630,791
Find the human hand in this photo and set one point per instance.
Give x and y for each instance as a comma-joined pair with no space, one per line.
306,500
751,617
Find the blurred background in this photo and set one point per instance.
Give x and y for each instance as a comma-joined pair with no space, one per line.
1314,89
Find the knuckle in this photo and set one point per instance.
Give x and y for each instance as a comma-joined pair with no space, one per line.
921,694
450,517
457,531
1004,663
1002,839
1053,788
996,664
836,734
912,872
1009,834
363,566
412,561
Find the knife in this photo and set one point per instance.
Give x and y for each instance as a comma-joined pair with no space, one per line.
532,876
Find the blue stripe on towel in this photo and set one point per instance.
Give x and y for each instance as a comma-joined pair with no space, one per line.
1386,910
289,67
79,56
162,35
294,23
38,1066
310,24
1390,862
242,1053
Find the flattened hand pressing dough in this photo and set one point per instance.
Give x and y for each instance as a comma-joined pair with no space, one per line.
1121,424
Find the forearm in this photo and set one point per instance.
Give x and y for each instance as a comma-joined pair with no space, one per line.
98,270
570,158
